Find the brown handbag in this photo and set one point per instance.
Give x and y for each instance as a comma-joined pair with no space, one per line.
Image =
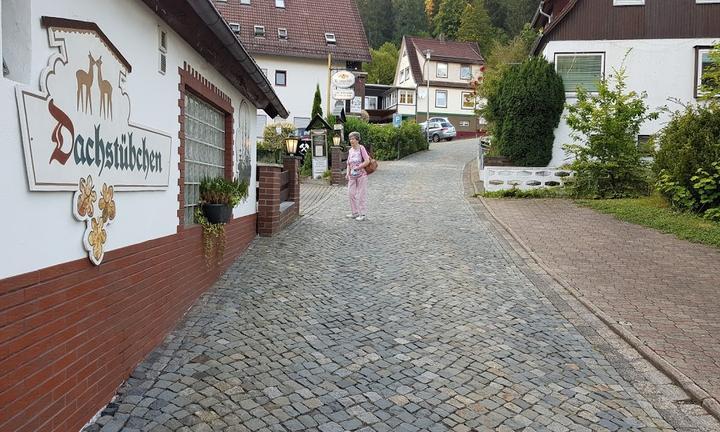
372,165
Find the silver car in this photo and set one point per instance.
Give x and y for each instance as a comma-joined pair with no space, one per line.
440,130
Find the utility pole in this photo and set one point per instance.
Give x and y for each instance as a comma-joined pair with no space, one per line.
427,95
327,96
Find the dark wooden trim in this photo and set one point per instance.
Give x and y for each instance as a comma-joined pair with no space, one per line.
65,23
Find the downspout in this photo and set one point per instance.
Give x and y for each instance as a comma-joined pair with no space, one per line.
542,12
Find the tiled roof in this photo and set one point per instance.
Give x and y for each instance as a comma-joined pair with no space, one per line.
306,22
449,51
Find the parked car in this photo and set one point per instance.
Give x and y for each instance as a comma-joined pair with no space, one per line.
440,130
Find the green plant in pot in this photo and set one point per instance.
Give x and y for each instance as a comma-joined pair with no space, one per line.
218,196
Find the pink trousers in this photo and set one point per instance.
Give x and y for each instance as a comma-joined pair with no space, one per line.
357,191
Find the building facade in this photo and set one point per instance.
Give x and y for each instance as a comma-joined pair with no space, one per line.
111,114
452,70
663,45
298,44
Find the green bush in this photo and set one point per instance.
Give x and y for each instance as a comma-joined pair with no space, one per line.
688,147
386,139
607,160
524,109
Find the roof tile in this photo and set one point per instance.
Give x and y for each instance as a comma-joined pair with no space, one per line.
306,22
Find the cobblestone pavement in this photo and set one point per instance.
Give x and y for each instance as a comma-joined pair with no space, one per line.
314,194
662,289
419,318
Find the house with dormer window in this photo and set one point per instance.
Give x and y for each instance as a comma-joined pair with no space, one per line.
292,42
450,68
663,44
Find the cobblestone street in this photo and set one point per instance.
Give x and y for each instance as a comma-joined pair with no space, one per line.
421,318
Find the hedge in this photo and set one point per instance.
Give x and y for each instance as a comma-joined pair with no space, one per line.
385,140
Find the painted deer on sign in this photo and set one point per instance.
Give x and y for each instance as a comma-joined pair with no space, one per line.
84,81
105,91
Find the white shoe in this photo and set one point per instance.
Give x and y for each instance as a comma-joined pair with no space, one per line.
351,216
360,218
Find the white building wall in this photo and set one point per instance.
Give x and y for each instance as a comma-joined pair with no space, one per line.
303,75
664,68
38,228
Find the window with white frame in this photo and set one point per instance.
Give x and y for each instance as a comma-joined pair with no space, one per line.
628,2
706,1
703,64
247,2
441,71
441,98
468,100
401,78
465,72
235,27
580,70
280,3
407,73
371,102
282,34
407,97
330,38
259,31
204,149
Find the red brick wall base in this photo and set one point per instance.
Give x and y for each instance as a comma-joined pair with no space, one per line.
72,333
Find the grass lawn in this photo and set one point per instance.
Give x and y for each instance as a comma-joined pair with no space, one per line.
654,212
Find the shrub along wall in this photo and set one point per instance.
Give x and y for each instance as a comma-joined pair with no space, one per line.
386,140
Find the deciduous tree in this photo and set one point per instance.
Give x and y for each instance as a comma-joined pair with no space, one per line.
475,26
381,70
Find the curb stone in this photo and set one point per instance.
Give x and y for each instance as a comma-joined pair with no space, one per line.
698,395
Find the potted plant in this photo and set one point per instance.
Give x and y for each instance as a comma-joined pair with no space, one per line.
218,196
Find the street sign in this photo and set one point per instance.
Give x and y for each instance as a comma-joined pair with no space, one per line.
343,93
343,79
397,120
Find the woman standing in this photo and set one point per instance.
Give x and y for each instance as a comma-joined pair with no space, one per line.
357,160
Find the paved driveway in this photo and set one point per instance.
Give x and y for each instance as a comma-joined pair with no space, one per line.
419,318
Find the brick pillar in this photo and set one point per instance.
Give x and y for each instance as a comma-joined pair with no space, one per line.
291,164
337,173
268,217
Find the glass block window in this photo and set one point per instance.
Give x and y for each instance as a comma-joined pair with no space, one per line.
204,149
579,70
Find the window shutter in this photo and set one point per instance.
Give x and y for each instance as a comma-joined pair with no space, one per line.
580,71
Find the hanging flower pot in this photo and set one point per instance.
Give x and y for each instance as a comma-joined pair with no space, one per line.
217,213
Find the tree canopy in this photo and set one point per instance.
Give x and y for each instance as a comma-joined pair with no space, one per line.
476,26
381,70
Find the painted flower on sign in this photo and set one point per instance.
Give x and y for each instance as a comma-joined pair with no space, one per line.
107,203
87,197
97,238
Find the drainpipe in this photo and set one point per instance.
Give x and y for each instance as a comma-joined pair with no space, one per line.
542,12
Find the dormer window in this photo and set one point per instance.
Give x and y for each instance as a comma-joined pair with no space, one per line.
259,31
235,27
280,3
330,38
282,33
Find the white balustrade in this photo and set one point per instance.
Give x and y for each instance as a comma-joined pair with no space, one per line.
497,178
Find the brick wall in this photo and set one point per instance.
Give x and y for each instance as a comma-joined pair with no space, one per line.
72,333
271,219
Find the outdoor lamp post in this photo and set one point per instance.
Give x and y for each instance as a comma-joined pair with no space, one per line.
291,143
